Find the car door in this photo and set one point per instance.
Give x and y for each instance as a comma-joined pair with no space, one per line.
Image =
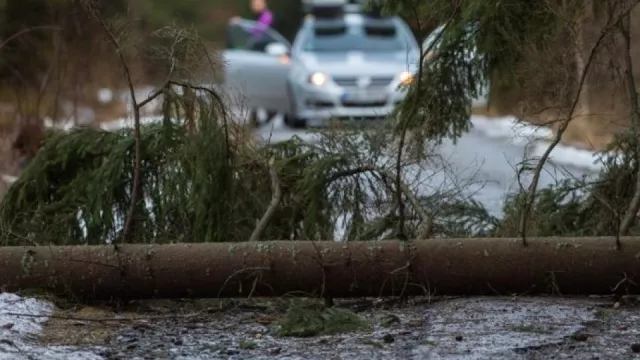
254,76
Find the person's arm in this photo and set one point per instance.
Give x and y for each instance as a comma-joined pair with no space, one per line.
264,22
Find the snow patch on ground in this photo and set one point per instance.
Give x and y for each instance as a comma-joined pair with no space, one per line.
525,134
128,122
509,127
21,319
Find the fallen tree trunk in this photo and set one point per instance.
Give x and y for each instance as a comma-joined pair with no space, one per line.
378,268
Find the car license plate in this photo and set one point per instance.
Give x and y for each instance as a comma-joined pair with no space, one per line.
363,96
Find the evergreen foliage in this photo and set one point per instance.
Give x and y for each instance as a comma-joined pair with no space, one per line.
501,34
210,184
306,322
203,186
576,207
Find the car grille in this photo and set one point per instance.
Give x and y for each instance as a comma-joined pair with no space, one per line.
362,118
319,104
352,81
363,103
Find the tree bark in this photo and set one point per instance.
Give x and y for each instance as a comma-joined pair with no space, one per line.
377,268
581,51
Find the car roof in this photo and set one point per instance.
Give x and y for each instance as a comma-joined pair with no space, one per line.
349,19
312,22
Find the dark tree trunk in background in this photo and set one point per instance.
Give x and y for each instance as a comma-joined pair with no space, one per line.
22,57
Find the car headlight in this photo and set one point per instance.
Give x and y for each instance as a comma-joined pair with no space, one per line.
318,79
406,77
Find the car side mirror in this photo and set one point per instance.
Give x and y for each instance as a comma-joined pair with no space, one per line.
276,49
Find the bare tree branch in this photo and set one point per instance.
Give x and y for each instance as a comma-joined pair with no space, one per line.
530,196
631,214
273,205
403,135
137,106
128,227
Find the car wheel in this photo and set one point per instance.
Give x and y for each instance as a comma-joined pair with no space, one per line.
291,119
294,122
259,116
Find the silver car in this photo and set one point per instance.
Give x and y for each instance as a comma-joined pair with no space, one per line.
344,66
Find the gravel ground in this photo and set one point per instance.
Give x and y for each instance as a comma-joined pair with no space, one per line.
462,328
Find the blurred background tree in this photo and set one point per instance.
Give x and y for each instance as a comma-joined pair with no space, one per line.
26,57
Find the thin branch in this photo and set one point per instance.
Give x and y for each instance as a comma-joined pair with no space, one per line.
273,206
389,176
221,105
239,272
24,31
631,214
211,92
137,177
530,197
161,89
400,232
128,227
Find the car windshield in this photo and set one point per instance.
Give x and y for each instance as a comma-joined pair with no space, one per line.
358,37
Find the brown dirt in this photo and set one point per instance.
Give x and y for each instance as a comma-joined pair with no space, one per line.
81,327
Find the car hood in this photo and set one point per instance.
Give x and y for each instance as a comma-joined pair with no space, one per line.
360,63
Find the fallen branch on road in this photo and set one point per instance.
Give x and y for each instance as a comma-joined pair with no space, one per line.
475,266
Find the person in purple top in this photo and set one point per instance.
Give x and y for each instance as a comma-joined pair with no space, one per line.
263,18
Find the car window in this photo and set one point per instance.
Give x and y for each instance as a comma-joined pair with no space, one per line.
239,37
370,37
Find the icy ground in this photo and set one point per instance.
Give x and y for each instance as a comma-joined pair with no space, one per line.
501,328
21,320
